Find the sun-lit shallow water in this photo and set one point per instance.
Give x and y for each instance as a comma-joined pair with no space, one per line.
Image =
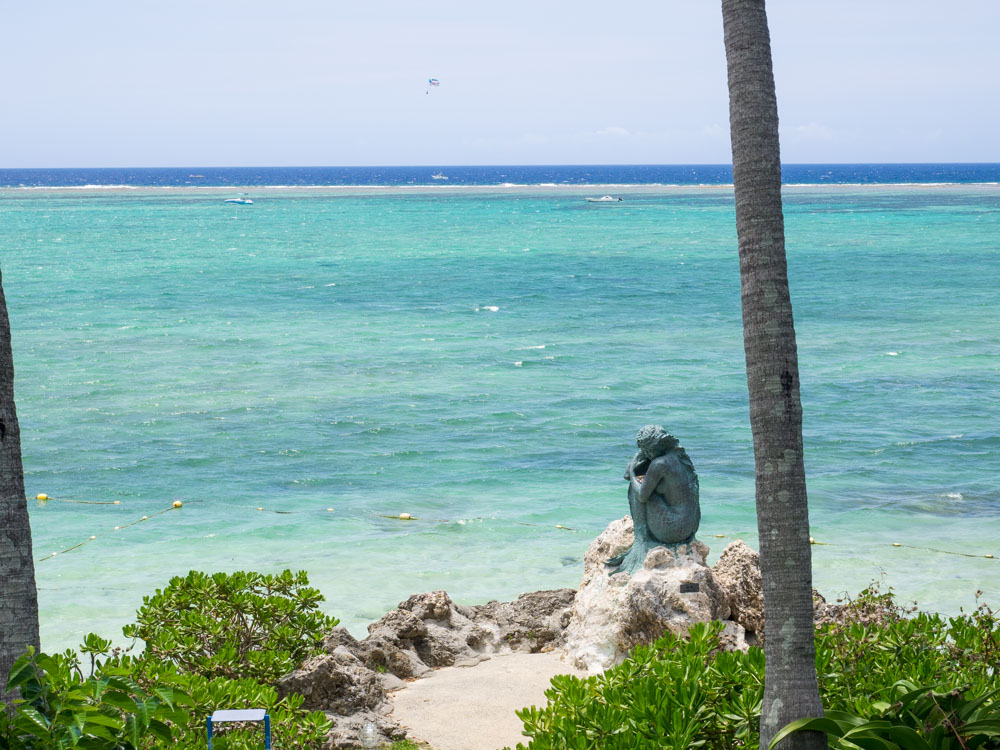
481,359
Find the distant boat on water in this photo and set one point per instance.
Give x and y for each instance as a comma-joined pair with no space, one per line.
241,201
439,176
604,199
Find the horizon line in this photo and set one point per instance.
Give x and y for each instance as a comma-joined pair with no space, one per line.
452,166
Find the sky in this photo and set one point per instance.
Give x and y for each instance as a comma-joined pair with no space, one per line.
114,83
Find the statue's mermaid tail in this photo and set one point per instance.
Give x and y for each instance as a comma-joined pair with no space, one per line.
617,560
633,558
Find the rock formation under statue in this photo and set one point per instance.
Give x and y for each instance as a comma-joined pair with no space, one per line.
672,590
662,498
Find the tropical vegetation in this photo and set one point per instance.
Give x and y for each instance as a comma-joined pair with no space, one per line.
889,678
211,642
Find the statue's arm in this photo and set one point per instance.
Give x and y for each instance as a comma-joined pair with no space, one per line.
659,469
630,469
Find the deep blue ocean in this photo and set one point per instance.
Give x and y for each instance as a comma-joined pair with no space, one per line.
655,174
478,352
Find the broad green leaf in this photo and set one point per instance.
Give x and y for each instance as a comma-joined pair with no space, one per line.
22,670
32,714
829,726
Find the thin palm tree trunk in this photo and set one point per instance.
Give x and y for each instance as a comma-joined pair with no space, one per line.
18,598
790,690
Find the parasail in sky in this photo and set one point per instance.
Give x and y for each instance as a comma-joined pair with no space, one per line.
432,82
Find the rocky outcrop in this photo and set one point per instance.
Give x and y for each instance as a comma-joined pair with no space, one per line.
614,613
430,630
598,625
351,680
738,573
337,683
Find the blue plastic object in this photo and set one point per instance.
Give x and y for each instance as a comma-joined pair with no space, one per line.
244,714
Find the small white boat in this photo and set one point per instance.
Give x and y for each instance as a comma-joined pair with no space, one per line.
241,201
438,176
603,199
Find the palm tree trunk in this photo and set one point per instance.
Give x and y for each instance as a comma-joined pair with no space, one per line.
18,599
790,689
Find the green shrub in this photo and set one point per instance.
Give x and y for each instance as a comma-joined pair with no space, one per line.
918,718
677,693
291,725
234,625
227,638
681,693
212,641
60,708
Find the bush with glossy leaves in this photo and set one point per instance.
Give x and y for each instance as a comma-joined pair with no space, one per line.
877,663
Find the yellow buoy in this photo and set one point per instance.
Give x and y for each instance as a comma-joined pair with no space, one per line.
812,541
405,517
988,555
41,496
117,528
93,537
117,502
178,504
896,544
144,518
260,509
720,536
329,510
559,526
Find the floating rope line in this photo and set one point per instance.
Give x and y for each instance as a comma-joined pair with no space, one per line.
813,541
543,525
988,556
42,498
176,505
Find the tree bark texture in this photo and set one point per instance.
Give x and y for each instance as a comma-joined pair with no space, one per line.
18,598
790,689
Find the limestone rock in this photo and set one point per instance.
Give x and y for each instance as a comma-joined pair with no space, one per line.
400,623
734,637
614,613
347,729
351,680
614,540
738,572
434,605
338,683
533,622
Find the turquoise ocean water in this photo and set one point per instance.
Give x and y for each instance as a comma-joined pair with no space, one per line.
481,357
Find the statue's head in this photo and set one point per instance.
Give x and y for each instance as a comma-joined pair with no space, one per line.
654,441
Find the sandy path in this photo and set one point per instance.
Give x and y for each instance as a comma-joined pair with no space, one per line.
472,708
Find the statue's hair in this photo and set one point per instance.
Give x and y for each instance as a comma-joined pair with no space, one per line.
655,434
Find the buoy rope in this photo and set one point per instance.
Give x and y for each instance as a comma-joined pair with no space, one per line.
43,498
176,505
988,556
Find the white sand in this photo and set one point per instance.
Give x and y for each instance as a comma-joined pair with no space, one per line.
472,708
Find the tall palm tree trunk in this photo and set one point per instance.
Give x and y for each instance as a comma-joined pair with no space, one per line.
18,599
790,689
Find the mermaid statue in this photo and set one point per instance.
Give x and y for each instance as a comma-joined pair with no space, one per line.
662,498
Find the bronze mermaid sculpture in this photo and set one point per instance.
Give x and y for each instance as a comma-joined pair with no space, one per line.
662,497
